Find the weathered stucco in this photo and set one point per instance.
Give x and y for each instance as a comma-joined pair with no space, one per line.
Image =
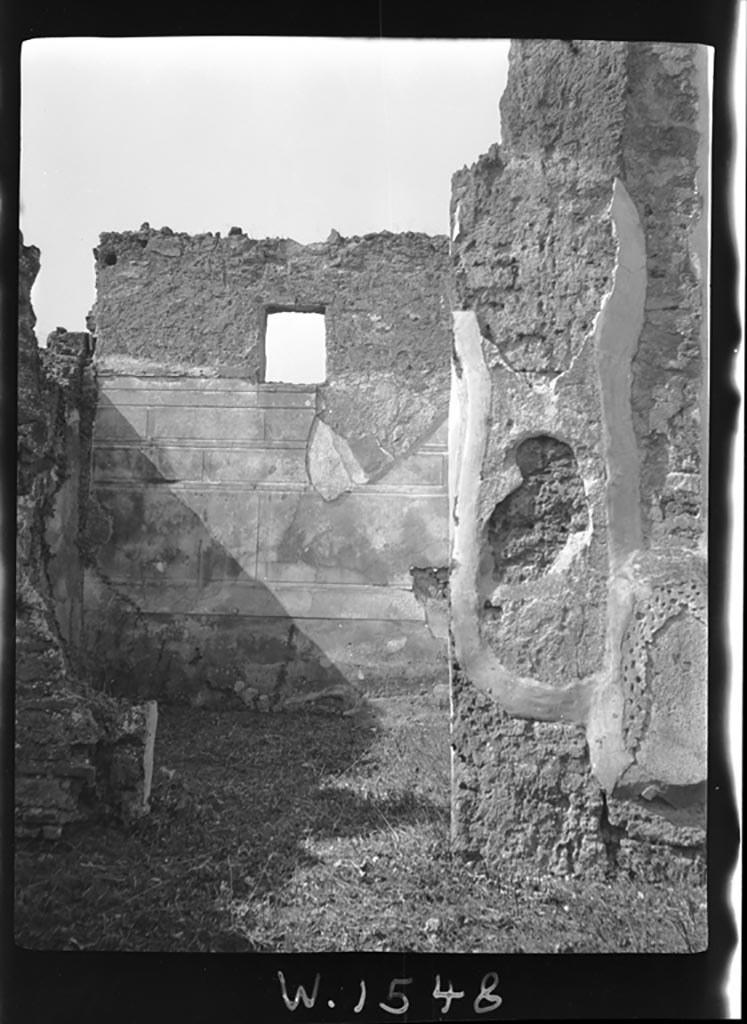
228,578
578,578
78,753
168,301
261,535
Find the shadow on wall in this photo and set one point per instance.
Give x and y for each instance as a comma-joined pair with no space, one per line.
170,612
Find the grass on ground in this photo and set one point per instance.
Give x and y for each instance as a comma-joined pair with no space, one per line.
307,833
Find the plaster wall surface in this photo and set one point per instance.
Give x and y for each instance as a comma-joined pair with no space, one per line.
578,577
228,577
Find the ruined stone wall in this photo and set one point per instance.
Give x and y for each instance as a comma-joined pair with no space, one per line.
169,301
267,539
228,579
66,363
78,753
577,455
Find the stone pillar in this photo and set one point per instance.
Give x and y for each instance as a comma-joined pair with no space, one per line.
577,466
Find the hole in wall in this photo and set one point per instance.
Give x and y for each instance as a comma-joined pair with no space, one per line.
529,528
430,583
295,347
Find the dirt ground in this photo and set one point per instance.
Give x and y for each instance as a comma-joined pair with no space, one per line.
301,832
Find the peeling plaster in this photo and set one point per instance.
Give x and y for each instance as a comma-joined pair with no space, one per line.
633,586
331,466
520,696
430,587
604,726
699,248
617,332
594,288
597,700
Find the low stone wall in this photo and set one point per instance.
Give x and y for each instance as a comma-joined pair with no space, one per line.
79,753
228,578
578,472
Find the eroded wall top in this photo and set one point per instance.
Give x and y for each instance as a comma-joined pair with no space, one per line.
178,303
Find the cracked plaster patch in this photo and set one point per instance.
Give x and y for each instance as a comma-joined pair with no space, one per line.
332,468
663,674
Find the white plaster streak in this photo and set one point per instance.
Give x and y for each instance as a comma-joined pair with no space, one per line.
457,403
517,695
699,247
618,329
455,227
604,735
149,746
572,548
473,412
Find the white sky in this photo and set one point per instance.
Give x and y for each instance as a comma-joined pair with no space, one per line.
282,137
302,334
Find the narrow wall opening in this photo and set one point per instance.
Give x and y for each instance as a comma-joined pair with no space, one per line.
295,347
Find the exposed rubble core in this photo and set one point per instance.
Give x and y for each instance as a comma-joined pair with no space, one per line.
577,465
530,527
666,159
78,753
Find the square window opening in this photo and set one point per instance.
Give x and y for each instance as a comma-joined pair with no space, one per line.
295,347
